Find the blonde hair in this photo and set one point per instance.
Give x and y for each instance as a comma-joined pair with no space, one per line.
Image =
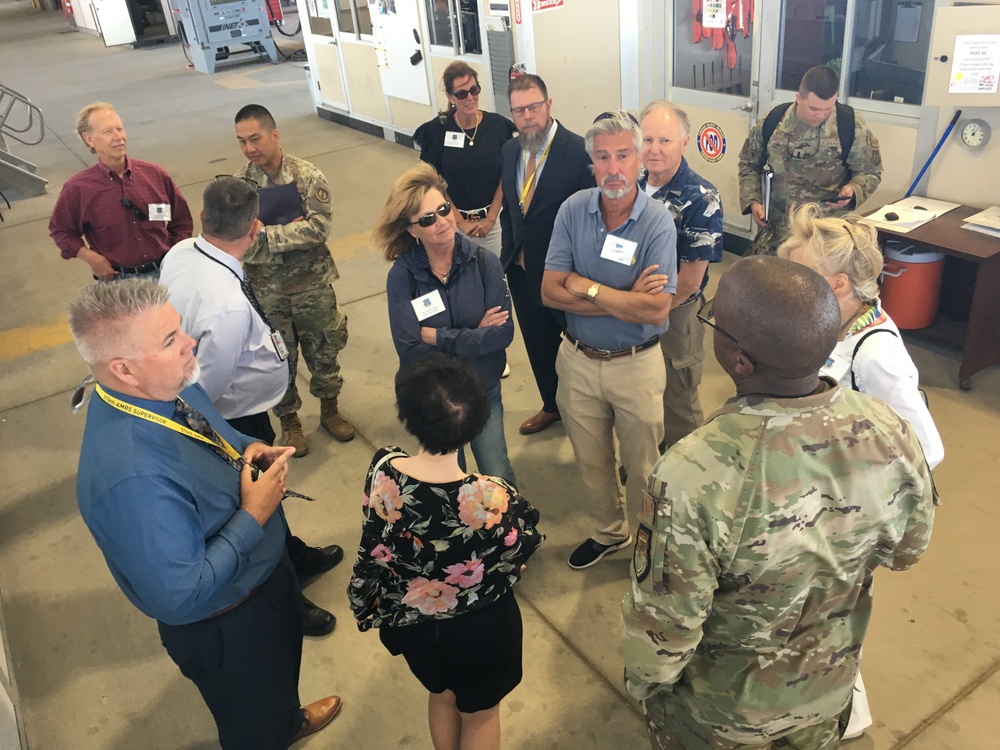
833,245
83,119
390,232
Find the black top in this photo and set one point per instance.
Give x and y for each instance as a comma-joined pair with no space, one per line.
473,171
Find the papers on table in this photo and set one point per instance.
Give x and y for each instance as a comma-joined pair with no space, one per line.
912,212
986,222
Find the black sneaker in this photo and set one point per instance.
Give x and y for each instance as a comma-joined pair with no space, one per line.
590,552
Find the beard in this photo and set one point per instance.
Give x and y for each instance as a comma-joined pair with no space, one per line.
533,140
613,193
193,377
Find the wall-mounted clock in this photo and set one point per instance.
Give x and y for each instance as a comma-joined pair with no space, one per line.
974,133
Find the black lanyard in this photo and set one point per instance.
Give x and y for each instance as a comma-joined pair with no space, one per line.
247,290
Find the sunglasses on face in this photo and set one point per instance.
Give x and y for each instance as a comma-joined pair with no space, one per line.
428,219
464,93
705,314
136,211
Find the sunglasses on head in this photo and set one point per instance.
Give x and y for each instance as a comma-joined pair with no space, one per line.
136,211
614,115
464,93
428,219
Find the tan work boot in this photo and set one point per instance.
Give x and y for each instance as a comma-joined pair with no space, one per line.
334,421
291,435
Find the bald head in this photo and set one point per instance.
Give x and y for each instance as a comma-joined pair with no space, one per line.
783,314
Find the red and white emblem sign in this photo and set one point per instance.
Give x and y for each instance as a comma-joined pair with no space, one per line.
711,142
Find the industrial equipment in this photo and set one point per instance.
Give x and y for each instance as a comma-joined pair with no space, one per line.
207,28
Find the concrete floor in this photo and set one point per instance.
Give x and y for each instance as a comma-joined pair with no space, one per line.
90,669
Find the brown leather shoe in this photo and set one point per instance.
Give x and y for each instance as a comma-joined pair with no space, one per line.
539,422
317,716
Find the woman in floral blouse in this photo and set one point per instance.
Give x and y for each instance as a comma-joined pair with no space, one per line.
440,552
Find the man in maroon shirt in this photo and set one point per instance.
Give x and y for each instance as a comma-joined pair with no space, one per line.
130,212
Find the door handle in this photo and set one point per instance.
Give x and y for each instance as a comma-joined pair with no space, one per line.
745,107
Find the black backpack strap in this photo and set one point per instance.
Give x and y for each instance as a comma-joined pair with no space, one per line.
845,129
854,384
771,123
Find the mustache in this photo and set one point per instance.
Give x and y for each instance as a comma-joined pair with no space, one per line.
614,178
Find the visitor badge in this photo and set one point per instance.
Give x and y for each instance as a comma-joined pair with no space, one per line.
279,345
428,305
159,212
454,140
837,367
619,250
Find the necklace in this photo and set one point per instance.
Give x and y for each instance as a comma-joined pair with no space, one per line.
442,276
854,316
472,138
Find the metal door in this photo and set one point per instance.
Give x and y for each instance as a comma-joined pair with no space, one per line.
114,22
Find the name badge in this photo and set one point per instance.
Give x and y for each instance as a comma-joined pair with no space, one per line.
454,140
159,212
619,250
836,367
279,345
428,305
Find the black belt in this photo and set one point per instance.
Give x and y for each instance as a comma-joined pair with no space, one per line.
152,267
609,354
475,215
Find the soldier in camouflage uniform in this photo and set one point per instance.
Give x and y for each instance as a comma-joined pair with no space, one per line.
804,153
760,532
292,273
697,210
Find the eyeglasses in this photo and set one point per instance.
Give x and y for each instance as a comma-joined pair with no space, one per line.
428,219
615,115
463,94
245,179
705,314
136,211
533,108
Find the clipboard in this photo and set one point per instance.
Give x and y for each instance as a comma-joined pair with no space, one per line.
279,204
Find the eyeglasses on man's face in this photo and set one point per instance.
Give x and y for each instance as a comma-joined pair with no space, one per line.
428,219
706,313
532,108
463,94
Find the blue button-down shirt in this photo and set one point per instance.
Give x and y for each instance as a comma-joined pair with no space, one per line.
577,239
164,510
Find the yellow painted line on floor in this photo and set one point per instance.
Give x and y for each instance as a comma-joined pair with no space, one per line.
243,81
351,245
17,342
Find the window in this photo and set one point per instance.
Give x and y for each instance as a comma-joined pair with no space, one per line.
712,48
353,16
455,24
812,33
890,45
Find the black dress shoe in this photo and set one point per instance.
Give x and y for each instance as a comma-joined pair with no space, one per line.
310,562
316,621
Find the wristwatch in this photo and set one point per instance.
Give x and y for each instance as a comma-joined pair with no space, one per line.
594,289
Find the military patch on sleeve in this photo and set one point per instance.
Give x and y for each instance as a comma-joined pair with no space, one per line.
641,553
322,195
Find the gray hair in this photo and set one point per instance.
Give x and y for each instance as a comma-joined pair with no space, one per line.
611,123
99,317
231,206
661,104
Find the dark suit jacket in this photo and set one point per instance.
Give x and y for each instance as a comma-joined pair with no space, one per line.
566,170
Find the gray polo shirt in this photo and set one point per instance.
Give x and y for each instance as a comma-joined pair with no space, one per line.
578,237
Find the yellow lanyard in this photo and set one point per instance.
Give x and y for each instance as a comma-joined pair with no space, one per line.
138,411
524,167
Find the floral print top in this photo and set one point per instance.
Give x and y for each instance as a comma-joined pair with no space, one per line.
435,551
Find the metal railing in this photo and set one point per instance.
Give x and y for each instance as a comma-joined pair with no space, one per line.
27,117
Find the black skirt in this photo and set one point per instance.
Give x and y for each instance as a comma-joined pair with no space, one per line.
477,655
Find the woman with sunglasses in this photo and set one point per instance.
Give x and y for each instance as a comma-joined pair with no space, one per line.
446,294
463,145
870,356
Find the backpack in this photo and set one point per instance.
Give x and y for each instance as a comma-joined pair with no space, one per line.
854,354
845,127
480,261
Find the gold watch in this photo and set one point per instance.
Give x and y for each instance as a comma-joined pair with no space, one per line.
594,289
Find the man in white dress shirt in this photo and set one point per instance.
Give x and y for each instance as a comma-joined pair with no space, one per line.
243,360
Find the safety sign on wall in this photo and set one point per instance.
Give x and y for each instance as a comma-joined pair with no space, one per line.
711,142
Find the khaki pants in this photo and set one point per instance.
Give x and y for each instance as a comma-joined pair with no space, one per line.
597,400
671,727
683,347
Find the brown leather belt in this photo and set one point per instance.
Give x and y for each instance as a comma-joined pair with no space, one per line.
233,606
607,354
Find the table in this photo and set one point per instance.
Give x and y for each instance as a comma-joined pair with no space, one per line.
946,235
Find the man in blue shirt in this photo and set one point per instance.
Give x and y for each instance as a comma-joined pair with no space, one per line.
166,487
611,267
697,210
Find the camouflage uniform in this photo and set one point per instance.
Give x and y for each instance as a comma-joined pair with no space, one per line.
807,167
292,273
697,210
753,563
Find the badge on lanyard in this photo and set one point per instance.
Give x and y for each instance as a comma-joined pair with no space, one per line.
619,250
454,140
279,345
428,305
159,212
